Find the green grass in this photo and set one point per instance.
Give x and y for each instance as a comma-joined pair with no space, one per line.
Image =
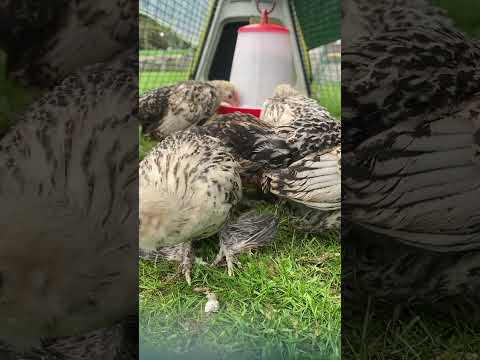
282,303
411,337
169,52
328,94
155,79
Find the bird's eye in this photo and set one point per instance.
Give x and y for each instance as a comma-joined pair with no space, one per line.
230,96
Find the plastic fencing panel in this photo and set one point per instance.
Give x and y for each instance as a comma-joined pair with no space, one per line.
318,25
170,32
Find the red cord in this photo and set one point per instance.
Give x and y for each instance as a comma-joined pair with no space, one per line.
264,17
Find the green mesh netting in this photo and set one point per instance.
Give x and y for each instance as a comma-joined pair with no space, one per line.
320,21
318,27
172,34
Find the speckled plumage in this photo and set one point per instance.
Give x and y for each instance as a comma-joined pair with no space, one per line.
313,181
68,189
298,157
249,231
408,73
411,110
310,220
189,184
411,125
45,41
406,181
254,144
365,18
176,107
287,105
275,146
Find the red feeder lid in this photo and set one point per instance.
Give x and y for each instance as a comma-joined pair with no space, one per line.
263,28
264,25
230,109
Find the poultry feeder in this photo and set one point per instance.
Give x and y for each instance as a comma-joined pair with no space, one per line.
254,57
262,61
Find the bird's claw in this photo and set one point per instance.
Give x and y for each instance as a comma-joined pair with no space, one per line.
231,261
188,277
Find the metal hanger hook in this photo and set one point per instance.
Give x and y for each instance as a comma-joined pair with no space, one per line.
274,2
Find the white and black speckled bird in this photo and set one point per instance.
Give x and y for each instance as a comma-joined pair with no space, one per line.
47,41
176,107
189,185
68,189
364,18
403,74
260,143
287,105
410,186
312,180
254,144
405,182
299,160
249,231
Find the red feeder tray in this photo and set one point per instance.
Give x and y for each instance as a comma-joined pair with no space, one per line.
230,109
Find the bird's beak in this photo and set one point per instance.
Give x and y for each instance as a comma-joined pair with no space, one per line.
235,101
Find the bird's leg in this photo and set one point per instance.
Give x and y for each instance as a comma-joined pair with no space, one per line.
187,261
219,257
229,257
231,260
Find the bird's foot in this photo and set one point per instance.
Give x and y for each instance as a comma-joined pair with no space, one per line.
229,258
188,277
188,259
231,261
218,259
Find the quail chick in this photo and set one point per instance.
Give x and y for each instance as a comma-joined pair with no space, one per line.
167,109
189,186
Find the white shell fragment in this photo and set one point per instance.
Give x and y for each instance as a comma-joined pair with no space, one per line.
212,304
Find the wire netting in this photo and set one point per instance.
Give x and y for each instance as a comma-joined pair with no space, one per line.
318,25
172,32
